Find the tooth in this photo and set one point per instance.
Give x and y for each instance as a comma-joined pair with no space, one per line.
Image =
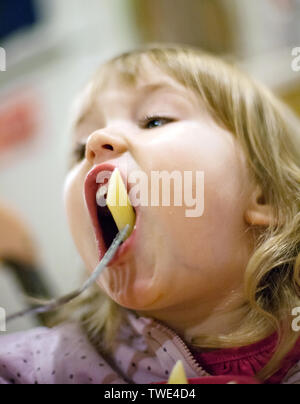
119,204
100,196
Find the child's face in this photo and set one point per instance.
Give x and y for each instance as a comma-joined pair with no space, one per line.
176,262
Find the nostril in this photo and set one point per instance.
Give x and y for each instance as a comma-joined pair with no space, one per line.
108,147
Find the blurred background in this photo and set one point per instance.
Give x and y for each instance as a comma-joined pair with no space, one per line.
51,49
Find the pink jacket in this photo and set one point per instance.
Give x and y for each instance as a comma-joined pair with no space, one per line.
146,352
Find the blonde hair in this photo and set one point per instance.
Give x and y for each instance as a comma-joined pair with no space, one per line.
269,135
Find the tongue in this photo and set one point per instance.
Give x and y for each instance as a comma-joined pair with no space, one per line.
108,225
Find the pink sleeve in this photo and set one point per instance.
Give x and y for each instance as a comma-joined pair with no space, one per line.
18,357
61,355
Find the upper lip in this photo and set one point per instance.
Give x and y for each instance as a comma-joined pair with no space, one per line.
91,178
90,189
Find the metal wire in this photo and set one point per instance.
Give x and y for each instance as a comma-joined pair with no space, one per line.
54,304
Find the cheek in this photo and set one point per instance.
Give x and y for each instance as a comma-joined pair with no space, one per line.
72,197
218,234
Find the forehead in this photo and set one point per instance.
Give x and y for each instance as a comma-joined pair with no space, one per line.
133,75
114,86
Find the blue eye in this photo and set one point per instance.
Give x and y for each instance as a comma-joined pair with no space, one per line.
152,122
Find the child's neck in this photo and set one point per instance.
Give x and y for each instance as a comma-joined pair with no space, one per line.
190,320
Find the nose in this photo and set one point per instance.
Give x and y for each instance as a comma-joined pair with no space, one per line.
102,146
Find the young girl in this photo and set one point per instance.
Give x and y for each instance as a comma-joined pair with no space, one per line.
217,292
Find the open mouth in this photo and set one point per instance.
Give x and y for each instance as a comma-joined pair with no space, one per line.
105,223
